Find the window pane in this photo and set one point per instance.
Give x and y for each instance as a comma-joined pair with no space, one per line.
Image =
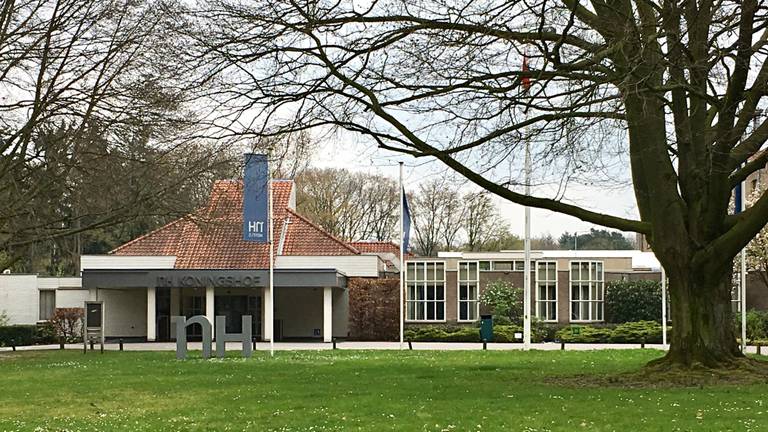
502,265
552,310
420,311
542,271
552,272
463,292
473,271
584,310
485,265
420,271
575,311
421,294
440,311
440,295
463,312
473,310
575,292
552,292
430,311
439,271
463,271
411,271
431,292
520,265
430,271
472,291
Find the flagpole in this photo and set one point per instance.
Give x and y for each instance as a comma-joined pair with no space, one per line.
271,267
743,281
402,254
663,307
527,242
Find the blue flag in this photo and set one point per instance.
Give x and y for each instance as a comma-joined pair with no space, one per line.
406,222
737,199
256,198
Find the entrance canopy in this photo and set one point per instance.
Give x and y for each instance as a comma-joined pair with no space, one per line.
184,278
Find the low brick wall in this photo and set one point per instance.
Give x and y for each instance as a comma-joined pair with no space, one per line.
373,310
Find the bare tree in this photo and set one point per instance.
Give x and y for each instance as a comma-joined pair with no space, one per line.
666,87
352,206
481,221
95,126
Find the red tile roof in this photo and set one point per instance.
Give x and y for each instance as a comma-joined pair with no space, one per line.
212,237
378,247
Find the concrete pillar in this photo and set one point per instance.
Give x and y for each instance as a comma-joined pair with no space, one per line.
209,299
327,314
268,319
151,312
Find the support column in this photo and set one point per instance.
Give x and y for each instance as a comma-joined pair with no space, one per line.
209,313
327,314
151,314
268,320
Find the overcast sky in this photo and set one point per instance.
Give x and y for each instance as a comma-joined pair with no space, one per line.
349,152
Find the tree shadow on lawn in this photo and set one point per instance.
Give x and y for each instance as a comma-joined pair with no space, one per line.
744,371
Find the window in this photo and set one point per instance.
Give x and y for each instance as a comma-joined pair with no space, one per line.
586,291
546,290
509,265
485,265
425,283
47,304
469,307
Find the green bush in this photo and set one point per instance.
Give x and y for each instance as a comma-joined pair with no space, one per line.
584,334
757,325
4,319
504,300
637,332
458,334
19,334
631,301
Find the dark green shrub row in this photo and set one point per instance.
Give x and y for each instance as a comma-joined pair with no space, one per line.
502,333
22,335
631,332
757,325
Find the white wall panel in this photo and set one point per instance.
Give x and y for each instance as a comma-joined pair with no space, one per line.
113,262
352,265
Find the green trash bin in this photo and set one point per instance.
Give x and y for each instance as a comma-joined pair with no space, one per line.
486,328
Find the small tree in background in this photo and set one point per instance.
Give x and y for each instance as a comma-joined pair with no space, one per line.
630,301
504,300
4,319
68,323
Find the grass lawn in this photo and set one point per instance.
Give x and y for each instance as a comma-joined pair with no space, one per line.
356,390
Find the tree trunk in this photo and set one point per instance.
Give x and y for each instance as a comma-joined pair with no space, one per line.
703,331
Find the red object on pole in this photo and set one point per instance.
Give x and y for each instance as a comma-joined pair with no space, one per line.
526,80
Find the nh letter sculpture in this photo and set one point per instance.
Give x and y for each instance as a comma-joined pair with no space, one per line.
222,337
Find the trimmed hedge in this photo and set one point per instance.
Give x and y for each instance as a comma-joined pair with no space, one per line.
22,335
502,333
632,332
19,334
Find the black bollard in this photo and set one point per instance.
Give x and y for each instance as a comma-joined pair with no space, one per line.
562,346
101,348
253,340
121,344
61,342
334,343
410,346
485,344
13,344
91,344
642,344
758,349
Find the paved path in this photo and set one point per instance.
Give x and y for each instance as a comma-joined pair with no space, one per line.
296,346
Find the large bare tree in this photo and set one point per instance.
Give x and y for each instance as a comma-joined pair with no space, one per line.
668,87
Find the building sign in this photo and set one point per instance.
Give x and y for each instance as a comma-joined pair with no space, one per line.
256,198
222,337
191,281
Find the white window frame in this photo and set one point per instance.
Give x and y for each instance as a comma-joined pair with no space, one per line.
476,282
546,281
410,302
589,282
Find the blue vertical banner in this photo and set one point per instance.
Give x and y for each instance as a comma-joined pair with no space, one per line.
737,199
256,198
406,222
